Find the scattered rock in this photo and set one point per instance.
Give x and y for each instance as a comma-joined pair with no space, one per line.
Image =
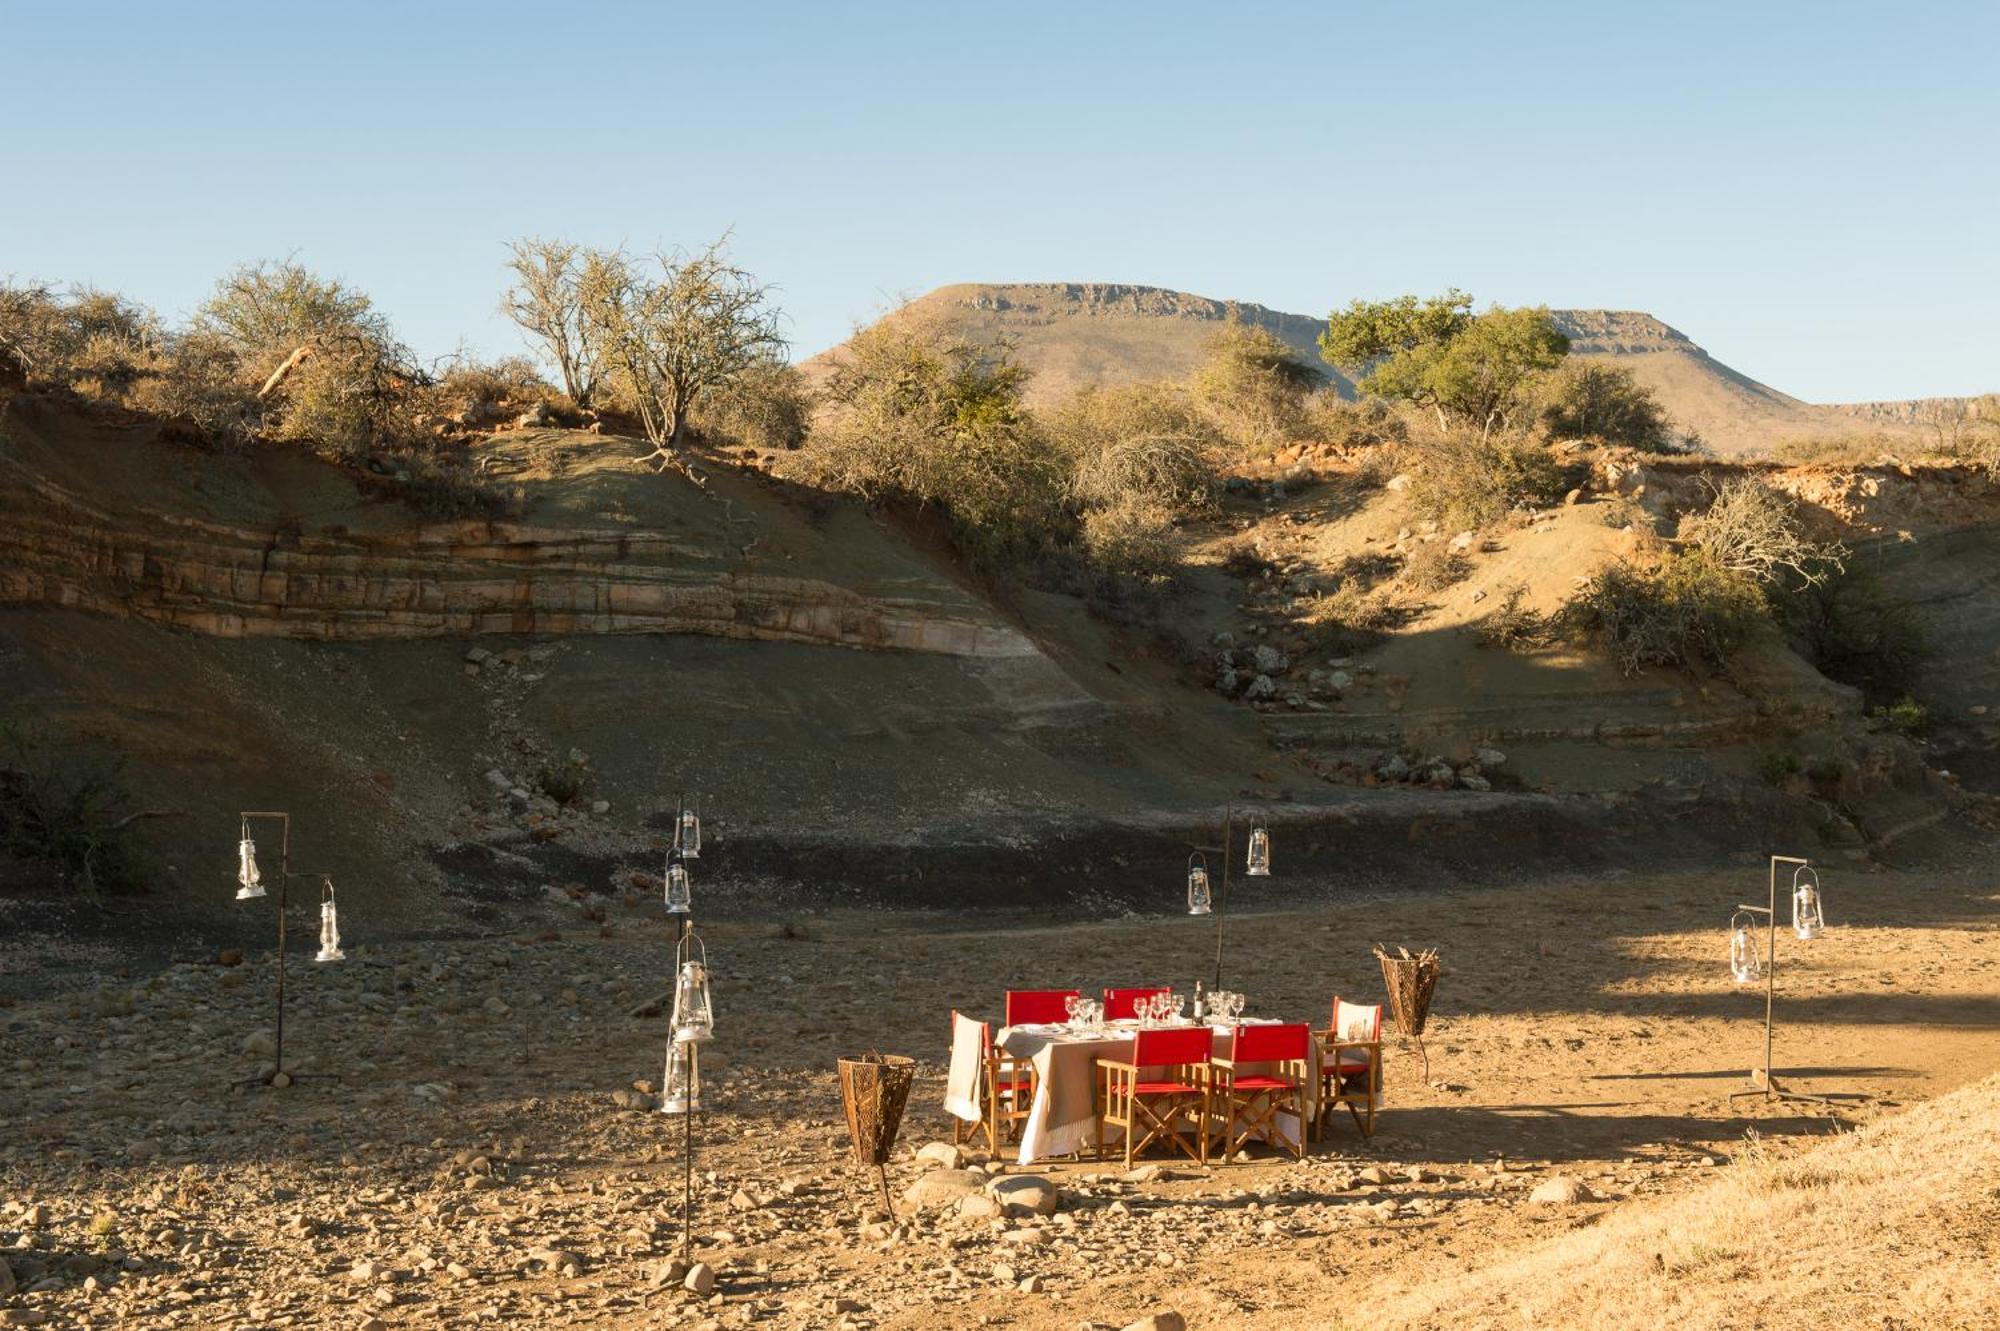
943,1155
1160,1321
943,1187
1025,1194
1561,1190
700,1280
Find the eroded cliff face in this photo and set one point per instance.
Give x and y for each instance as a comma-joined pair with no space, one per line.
279,551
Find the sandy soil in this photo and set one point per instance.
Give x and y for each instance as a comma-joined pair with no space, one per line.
467,1161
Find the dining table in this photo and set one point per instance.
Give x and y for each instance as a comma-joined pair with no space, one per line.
1063,1118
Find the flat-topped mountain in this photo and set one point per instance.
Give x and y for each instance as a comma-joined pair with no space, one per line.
1074,333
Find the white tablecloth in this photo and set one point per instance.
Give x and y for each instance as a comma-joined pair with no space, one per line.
1063,1118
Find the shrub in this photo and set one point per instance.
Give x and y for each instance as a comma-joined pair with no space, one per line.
91,341
1464,481
1906,716
58,810
1690,609
922,415
1434,566
1253,387
492,390
1852,631
1775,768
1245,558
200,388
1368,423
268,310
767,407
563,780
1350,619
1133,538
1590,400
1138,442
1514,627
1751,529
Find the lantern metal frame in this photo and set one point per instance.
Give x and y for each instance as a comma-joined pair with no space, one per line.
1200,895
284,881
683,1041
687,830
1762,1082
695,1023
1221,897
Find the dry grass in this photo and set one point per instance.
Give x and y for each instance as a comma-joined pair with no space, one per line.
1894,1226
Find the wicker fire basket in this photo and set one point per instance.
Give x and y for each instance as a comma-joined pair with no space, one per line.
873,1090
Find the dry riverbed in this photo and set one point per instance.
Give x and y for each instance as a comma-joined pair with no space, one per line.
470,1153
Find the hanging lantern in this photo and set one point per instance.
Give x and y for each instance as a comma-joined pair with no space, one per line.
681,1091
1808,921
1200,900
329,927
694,1013
1743,962
687,834
249,883
680,888
1259,865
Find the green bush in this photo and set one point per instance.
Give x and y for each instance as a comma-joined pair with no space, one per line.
1687,611
1463,481
59,811
1590,400
1854,632
1775,768
1906,716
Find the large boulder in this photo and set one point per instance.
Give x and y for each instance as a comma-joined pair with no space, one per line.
1025,1194
943,1187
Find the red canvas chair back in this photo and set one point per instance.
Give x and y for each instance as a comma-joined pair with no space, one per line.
1352,1021
1119,1003
1270,1044
1038,1005
1171,1046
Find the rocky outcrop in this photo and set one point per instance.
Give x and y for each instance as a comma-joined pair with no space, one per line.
77,532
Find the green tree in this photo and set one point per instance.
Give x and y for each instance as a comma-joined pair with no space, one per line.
1470,369
1588,400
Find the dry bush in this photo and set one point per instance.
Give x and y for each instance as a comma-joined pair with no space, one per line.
1464,481
1143,442
1691,609
200,389
1434,566
919,414
269,310
1253,388
1854,632
1350,619
1840,450
1132,538
1515,627
1245,558
1752,529
59,812
767,407
485,390
1371,422
92,342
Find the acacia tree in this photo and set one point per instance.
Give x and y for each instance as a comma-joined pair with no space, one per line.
699,324
547,300
1472,368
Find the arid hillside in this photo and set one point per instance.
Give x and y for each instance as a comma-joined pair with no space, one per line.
1069,334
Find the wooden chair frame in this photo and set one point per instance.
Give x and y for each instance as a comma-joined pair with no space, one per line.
1337,1088
1007,1087
1258,1108
1151,1117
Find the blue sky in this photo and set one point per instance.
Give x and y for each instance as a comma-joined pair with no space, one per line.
1809,190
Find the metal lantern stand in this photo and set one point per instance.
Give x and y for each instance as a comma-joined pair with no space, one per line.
1761,1081
1221,899
686,846
285,876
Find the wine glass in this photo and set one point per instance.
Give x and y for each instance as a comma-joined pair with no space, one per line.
1073,1007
